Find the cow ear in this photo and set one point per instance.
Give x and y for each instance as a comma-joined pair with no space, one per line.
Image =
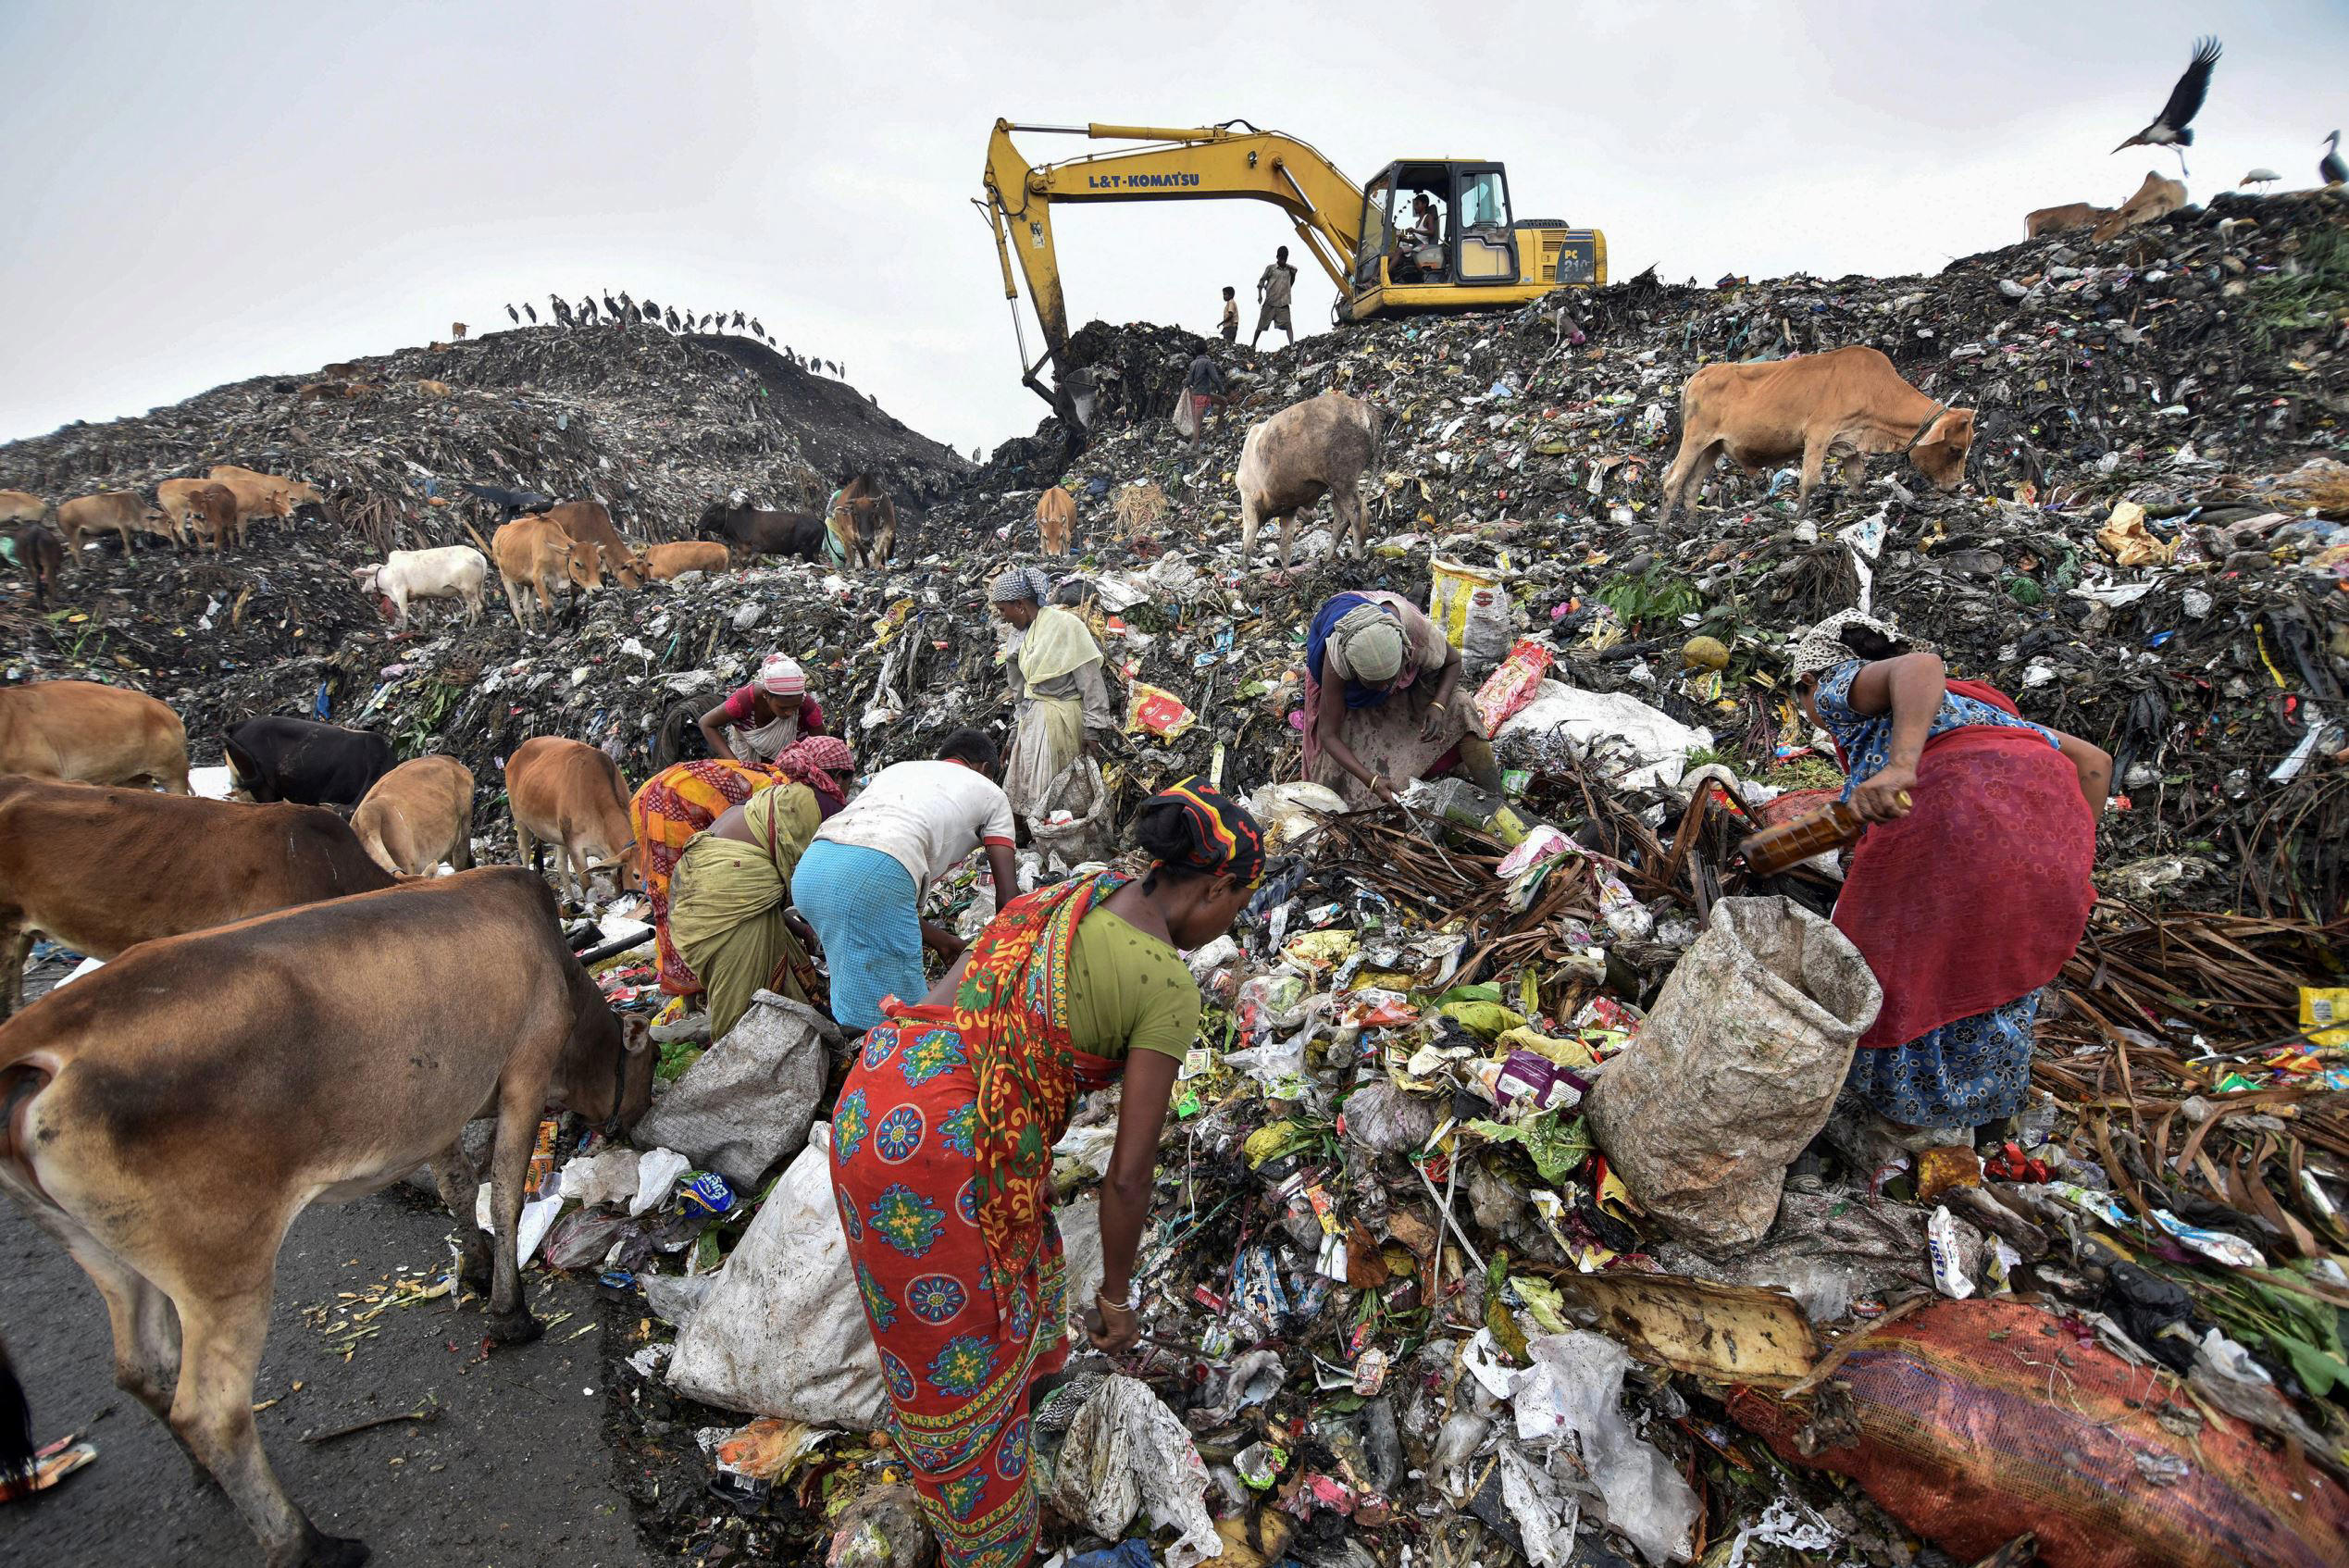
636,1033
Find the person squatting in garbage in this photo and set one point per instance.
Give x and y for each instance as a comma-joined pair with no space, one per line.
683,800
729,909
860,884
1966,899
757,721
1381,700
942,1152
1058,699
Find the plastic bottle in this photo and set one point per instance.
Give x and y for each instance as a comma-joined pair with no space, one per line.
1773,849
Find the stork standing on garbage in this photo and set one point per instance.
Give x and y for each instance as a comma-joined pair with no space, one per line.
1969,887
942,1155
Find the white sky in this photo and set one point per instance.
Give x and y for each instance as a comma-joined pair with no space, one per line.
198,193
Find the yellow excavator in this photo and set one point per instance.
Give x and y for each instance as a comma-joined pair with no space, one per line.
1425,234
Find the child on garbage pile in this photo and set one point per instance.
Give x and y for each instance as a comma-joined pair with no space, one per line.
1231,315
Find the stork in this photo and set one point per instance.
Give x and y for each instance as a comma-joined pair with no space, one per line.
738,320
610,309
671,318
2260,177
756,328
587,309
628,305
2330,168
514,313
2171,128
531,314
650,311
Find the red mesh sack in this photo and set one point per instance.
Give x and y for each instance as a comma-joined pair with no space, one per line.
1796,802
1961,1421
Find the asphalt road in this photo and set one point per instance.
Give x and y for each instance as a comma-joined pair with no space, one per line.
515,1472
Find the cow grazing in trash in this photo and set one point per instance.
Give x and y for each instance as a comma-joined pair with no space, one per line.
747,531
450,571
171,863
665,562
1839,406
864,524
590,523
277,758
41,556
2057,220
417,815
569,794
1323,445
1055,518
123,511
81,732
2157,197
535,556
167,1119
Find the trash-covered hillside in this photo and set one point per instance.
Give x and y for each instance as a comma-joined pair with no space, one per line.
1478,1235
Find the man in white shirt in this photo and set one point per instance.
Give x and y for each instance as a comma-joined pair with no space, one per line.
1273,289
861,883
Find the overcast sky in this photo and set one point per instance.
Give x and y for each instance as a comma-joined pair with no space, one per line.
198,193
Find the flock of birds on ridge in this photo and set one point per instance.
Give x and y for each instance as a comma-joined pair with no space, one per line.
619,310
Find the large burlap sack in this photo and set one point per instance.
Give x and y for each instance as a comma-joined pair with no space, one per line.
1092,832
749,1100
1734,1070
782,1331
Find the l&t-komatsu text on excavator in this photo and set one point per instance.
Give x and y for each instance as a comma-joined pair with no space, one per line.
1425,234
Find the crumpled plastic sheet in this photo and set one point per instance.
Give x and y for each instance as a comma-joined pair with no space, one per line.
1126,1453
1574,1390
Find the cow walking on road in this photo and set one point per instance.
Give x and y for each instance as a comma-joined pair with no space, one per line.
169,1116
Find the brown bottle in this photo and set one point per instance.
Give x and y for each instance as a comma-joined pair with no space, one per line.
1773,849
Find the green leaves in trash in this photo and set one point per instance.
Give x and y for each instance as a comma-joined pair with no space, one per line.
1557,1144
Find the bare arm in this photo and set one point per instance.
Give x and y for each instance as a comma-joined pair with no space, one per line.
1447,687
2095,766
941,940
1329,731
1910,688
1126,1195
1006,867
713,731
1094,691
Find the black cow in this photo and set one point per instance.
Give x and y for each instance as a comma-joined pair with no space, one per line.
510,504
749,531
311,763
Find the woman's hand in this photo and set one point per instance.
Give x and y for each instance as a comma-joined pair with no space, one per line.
1381,788
1112,1326
1884,798
1436,716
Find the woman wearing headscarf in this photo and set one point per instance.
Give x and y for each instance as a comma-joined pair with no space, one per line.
1058,695
1969,889
942,1152
757,721
1381,697
728,902
824,764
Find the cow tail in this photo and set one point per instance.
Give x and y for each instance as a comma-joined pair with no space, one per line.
1380,419
480,544
16,1425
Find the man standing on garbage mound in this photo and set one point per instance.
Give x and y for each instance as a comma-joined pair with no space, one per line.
1969,889
861,882
942,1153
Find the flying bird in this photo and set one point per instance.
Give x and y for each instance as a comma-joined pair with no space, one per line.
531,314
2330,168
514,313
2260,177
2171,128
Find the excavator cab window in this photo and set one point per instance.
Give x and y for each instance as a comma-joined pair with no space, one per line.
1488,245
1419,208
1378,230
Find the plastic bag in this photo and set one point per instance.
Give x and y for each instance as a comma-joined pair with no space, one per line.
1089,832
1642,747
1576,1389
1156,710
1734,1070
1513,686
1473,609
749,1099
782,1331
1125,1454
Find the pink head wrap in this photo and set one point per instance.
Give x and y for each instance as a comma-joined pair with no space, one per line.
780,676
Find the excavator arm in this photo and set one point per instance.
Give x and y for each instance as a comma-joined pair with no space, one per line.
1204,163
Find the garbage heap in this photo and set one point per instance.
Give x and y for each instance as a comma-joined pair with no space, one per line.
656,426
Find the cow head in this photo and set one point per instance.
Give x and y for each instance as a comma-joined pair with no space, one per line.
605,1074
583,565
1941,456
626,868
365,577
716,522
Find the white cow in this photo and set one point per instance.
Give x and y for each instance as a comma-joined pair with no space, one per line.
453,571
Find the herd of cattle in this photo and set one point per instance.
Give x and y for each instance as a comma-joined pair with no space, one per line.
291,1011
541,550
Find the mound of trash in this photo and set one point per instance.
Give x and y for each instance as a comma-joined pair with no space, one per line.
1503,1211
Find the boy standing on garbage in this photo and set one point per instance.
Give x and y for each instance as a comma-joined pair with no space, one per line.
1231,315
1272,290
861,882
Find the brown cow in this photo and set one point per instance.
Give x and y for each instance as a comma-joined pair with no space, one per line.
2057,220
102,870
590,524
663,562
536,555
417,815
1840,406
1055,518
120,510
862,523
571,795
21,506
1323,445
200,512
2156,198
169,1117
258,498
298,493
457,330
81,732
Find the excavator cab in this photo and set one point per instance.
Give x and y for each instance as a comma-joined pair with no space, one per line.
1438,232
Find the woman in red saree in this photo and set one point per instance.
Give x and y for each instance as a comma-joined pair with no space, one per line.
942,1152
1970,890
